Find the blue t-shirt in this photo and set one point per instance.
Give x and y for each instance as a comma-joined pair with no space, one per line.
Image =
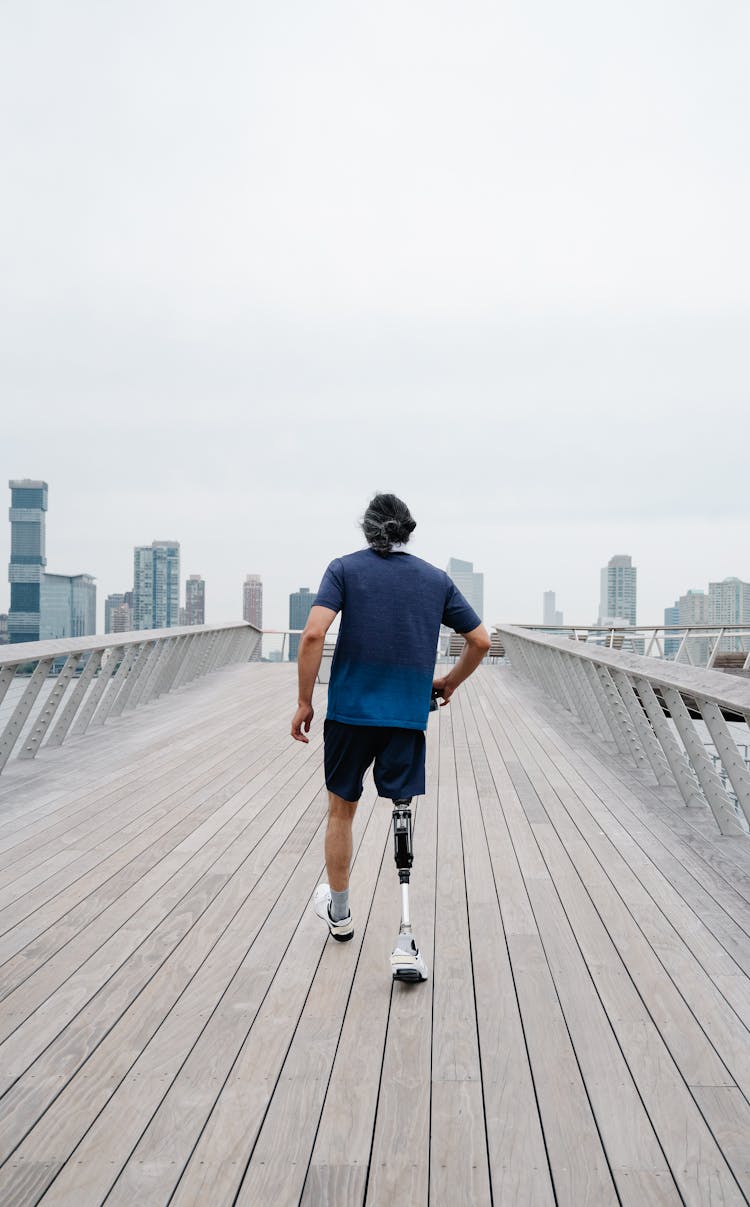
391,611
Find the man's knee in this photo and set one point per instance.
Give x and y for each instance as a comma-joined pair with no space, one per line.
340,809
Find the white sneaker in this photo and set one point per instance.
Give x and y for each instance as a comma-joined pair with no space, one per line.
407,962
342,931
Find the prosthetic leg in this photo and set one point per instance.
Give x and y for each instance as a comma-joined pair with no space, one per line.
407,963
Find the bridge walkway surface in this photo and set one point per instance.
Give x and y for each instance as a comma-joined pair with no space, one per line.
177,1028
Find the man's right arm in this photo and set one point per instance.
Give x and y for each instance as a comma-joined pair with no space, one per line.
477,644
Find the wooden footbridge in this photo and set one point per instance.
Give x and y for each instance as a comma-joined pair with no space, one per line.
175,1027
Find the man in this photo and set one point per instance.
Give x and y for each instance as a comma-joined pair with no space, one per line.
392,605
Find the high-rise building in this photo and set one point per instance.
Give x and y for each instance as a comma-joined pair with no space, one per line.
68,606
118,612
156,585
551,616
618,597
693,610
469,582
42,606
729,602
300,603
252,600
252,607
195,600
671,620
28,504
3,628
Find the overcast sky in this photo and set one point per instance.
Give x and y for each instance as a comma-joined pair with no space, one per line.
260,260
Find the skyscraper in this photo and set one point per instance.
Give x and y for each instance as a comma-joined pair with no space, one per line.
469,582
693,608
118,612
68,606
551,616
28,504
156,585
195,599
671,620
729,602
300,603
252,600
42,606
617,600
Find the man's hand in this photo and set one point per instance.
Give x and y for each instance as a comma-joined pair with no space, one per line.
444,690
302,719
476,645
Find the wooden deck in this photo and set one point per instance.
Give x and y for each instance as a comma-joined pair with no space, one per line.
176,1029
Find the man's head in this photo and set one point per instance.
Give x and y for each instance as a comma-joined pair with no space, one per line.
387,522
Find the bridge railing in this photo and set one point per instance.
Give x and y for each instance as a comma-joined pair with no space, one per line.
652,712
705,645
102,677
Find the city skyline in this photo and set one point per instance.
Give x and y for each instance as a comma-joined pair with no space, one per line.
276,589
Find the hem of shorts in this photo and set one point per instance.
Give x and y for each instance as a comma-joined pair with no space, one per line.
380,723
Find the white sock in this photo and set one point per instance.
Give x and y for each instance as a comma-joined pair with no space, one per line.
339,906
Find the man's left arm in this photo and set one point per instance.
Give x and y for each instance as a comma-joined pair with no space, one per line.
309,655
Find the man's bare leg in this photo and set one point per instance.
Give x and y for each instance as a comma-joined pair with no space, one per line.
338,844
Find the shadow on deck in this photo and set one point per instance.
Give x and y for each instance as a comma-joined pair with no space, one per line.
176,1028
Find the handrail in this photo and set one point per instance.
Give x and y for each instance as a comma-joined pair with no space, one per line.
103,676
712,636
24,652
628,699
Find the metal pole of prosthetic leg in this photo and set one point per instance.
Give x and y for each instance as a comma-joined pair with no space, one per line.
403,855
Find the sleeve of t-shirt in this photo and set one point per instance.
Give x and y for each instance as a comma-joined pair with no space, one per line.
331,590
458,613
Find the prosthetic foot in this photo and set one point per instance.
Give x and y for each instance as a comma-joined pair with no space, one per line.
407,964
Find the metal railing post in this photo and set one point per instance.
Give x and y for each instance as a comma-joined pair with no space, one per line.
134,673
19,716
83,720
711,785
643,728
114,686
678,762
68,714
43,721
733,764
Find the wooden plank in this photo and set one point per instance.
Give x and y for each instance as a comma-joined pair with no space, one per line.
711,1010
280,1157
696,1162
164,1101
578,1164
399,1173
216,786
150,982
341,1153
519,1170
132,917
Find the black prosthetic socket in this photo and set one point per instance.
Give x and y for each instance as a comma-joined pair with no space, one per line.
402,838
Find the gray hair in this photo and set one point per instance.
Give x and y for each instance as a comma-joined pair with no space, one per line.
387,522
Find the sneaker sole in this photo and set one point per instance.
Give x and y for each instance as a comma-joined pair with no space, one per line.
343,938
407,974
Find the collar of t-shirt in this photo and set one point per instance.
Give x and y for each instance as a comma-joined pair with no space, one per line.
397,549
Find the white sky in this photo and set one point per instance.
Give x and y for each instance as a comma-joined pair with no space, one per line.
259,261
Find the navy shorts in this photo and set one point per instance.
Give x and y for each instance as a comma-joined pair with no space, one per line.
398,755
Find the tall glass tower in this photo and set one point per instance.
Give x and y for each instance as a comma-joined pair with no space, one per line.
28,504
300,603
195,599
469,582
619,590
156,585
